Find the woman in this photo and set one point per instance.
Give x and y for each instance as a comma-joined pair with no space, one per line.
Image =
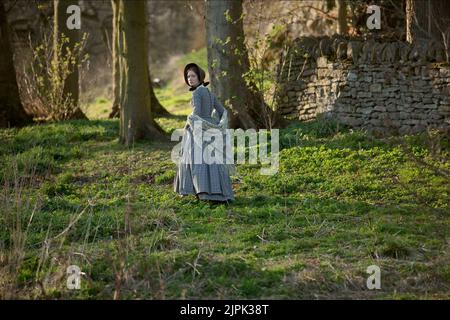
207,180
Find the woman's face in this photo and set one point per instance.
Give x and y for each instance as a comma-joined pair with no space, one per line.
192,78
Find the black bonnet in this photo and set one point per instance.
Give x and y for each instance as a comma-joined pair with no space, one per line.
200,74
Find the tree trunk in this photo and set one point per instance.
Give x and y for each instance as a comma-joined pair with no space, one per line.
342,17
228,61
115,61
157,108
136,120
409,20
12,113
71,85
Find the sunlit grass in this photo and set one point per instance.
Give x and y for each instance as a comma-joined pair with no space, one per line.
199,57
98,109
341,201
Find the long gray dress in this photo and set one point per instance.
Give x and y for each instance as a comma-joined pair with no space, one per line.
208,181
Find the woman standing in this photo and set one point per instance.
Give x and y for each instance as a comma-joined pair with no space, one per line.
208,181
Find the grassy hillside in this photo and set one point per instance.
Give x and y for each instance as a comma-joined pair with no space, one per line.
341,201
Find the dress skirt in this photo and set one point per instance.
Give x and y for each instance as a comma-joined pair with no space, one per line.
208,181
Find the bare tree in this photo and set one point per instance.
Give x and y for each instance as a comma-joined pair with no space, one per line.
427,19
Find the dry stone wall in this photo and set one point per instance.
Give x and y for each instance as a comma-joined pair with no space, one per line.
384,87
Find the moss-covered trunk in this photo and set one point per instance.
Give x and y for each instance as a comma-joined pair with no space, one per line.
136,120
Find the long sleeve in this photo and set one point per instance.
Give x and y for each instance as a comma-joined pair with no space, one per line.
197,102
218,106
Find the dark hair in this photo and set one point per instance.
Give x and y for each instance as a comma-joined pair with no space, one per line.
198,71
195,71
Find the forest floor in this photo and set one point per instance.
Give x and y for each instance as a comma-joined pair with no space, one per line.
340,202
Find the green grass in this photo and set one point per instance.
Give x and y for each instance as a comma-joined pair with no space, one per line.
199,57
341,201
98,109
